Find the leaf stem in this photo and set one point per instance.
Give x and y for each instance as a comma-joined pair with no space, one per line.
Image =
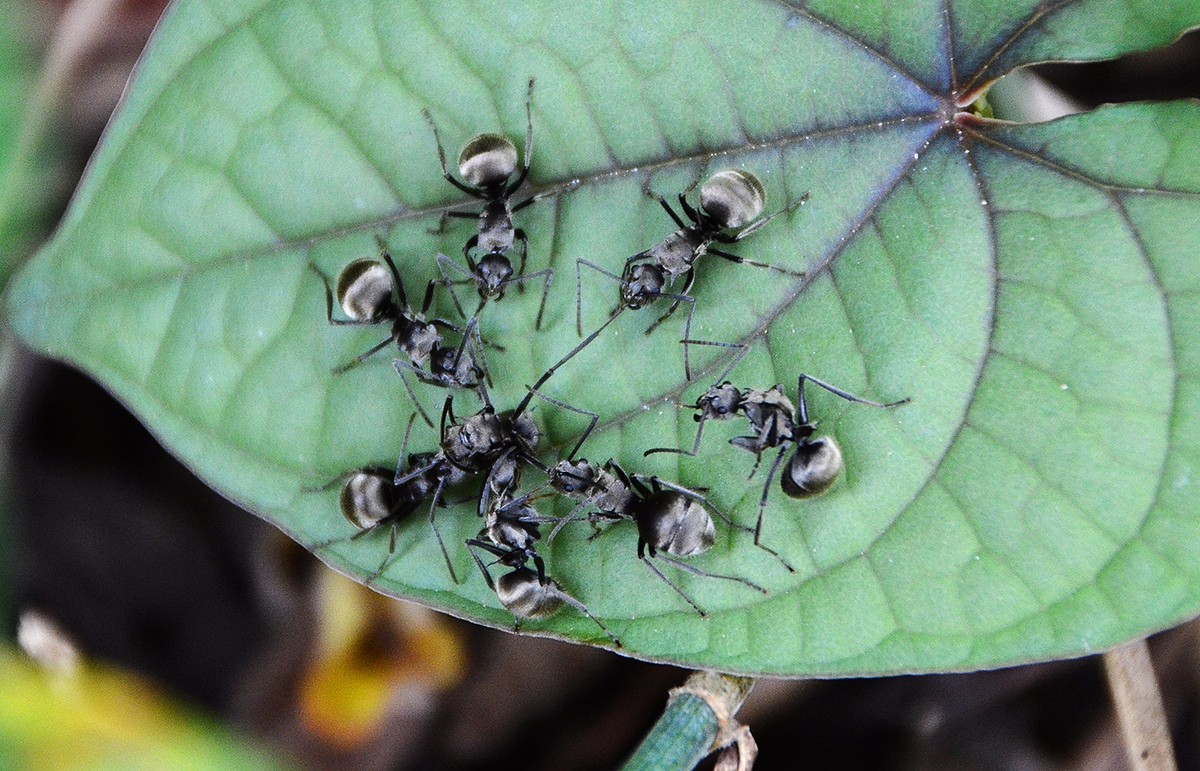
698,719
1139,707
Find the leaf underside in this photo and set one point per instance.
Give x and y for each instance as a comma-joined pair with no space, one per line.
1031,289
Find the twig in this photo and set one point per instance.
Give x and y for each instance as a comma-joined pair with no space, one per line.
698,720
1139,707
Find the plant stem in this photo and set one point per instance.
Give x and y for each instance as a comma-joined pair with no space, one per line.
698,719
1139,707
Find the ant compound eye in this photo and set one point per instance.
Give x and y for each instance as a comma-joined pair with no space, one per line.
364,290
733,198
488,159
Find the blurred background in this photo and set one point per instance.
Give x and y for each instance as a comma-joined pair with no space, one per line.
171,627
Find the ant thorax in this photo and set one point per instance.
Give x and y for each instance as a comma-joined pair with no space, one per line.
474,443
676,253
511,529
770,411
521,430
496,231
670,522
585,481
416,337
642,285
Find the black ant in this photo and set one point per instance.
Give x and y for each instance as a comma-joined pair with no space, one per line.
511,533
487,163
732,199
817,460
369,293
370,499
672,521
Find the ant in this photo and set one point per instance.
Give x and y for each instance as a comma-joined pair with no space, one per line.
672,521
730,200
369,498
775,422
487,163
370,294
511,533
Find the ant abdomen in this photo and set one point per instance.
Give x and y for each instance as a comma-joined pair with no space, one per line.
524,596
733,198
364,291
677,525
367,498
813,468
487,160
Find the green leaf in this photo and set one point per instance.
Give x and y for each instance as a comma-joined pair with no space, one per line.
22,202
1031,288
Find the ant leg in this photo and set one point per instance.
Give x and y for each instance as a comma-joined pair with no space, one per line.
663,577
520,180
444,263
695,445
402,477
561,594
329,306
449,214
400,366
671,212
471,191
706,503
705,574
595,417
687,325
361,358
802,409
691,279
743,261
579,290
475,543
407,433
743,349
437,495
397,282
753,226
554,367
472,243
762,506
521,238
547,275
692,214
571,517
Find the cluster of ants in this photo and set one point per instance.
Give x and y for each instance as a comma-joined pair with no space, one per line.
673,522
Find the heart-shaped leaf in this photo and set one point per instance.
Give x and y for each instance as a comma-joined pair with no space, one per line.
1030,288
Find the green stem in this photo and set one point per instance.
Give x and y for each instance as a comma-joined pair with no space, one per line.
696,716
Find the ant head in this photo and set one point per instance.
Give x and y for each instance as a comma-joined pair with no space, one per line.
719,402
364,290
733,198
813,469
573,477
447,360
487,160
524,596
494,270
366,498
643,284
